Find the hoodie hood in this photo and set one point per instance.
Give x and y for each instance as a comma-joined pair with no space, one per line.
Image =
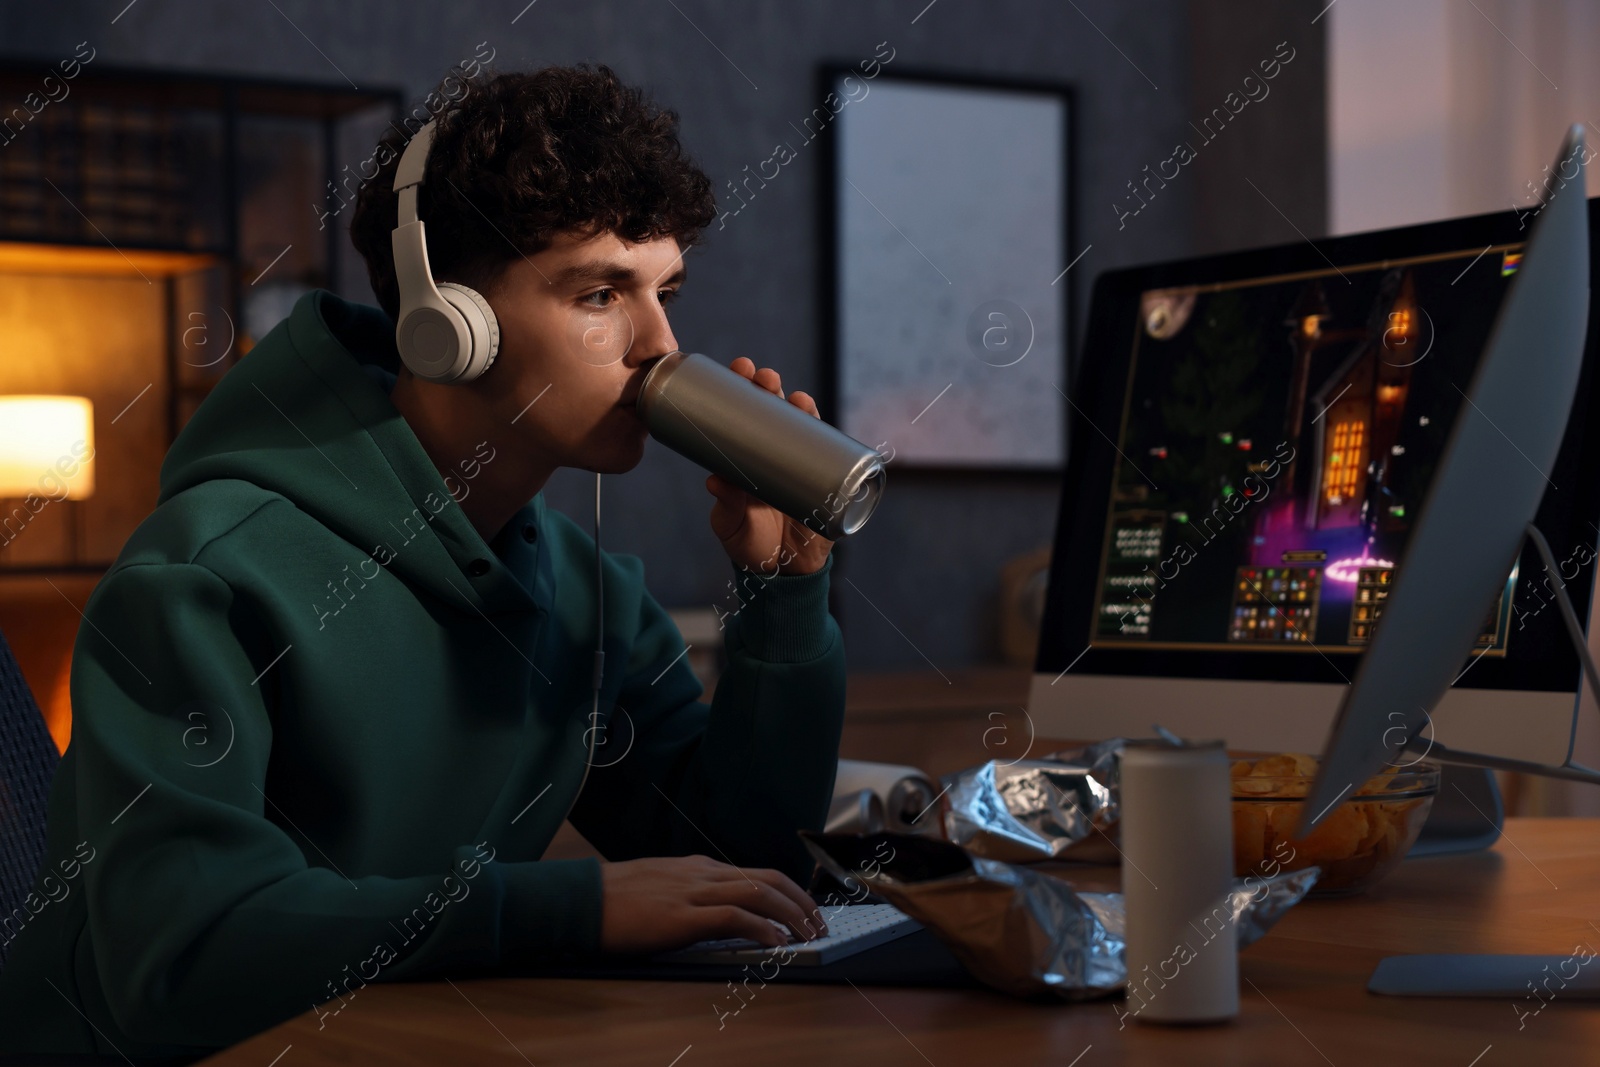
303,416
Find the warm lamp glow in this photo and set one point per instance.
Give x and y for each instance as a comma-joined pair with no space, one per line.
46,447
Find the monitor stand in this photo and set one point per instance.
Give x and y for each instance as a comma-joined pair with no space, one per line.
1466,815
1463,820
1567,769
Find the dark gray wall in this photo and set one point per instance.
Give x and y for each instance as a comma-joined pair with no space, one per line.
922,578
1264,180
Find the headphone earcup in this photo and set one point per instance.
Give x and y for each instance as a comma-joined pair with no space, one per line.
482,326
432,340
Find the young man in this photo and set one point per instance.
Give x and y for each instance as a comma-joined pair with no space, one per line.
333,700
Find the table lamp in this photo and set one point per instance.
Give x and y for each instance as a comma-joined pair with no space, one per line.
46,453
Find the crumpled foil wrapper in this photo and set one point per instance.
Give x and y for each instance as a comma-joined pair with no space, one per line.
1021,931
1064,806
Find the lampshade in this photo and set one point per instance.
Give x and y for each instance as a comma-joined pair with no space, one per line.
46,447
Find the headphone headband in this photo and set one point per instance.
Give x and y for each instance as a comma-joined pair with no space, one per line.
413,166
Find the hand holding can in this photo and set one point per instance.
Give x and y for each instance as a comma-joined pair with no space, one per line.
781,452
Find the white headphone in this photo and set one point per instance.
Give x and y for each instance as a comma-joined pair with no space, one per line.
446,332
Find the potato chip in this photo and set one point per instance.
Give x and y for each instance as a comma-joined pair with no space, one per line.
1339,836
1250,842
1279,766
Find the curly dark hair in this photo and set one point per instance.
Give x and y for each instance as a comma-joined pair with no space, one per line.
521,157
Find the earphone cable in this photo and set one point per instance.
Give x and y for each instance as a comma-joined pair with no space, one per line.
593,732
599,607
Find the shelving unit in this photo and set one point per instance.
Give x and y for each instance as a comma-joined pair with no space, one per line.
151,224
206,189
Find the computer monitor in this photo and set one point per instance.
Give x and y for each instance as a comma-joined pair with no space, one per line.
1253,437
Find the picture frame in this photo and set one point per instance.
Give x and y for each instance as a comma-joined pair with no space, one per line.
949,312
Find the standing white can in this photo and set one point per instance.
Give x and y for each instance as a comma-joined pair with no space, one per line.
1177,842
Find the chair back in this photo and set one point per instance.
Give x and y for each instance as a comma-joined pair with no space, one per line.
28,759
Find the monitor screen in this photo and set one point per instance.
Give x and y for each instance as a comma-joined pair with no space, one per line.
1255,435
1276,440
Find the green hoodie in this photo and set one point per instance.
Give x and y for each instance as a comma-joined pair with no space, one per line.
323,732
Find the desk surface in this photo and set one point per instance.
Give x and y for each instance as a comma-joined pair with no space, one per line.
1303,998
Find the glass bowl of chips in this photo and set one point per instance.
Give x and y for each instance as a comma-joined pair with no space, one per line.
1358,843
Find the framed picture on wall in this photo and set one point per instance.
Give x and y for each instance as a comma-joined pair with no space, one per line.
946,218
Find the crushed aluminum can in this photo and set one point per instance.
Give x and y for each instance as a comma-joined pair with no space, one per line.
1017,930
1062,807
860,812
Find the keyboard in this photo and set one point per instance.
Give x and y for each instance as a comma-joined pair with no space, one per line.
851,929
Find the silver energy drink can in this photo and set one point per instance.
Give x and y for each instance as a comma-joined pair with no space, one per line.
762,443
1177,843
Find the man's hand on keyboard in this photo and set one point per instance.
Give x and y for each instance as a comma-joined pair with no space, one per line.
652,905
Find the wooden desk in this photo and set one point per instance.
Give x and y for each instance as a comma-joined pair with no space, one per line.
939,722
1303,996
